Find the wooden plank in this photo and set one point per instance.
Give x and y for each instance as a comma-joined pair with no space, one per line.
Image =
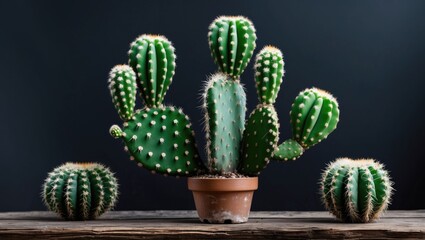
185,225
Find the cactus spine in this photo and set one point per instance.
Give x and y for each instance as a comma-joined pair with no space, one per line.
160,138
314,115
80,191
356,190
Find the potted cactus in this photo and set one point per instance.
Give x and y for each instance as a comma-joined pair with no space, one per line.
160,138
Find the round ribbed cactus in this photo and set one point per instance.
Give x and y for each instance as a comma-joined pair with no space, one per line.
314,115
232,43
152,58
80,191
356,190
122,84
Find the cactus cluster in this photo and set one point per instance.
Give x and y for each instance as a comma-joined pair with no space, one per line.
160,138
356,190
80,191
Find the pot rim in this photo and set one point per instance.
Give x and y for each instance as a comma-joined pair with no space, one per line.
198,184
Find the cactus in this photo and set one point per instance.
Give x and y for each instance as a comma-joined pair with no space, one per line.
232,43
80,191
160,138
261,136
268,74
224,107
122,84
314,115
356,190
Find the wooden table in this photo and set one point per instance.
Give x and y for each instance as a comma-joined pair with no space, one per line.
185,225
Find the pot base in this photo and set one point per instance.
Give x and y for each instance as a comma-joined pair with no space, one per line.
223,200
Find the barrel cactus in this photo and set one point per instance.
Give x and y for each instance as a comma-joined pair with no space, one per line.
160,138
80,191
356,190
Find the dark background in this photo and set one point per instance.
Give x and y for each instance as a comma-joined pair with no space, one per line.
55,105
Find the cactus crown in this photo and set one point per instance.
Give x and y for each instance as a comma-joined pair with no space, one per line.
232,43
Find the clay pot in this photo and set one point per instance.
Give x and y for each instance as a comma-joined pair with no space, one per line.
223,200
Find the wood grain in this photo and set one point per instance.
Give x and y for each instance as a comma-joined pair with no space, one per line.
185,225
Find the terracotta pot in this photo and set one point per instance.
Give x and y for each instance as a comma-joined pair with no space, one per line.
223,200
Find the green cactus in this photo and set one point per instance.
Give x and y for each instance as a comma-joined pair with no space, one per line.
261,134
224,107
152,58
356,190
232,43
80,191
268,74
122,84
314,115
260,139
160,138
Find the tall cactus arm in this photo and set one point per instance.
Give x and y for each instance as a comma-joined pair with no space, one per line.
268,74
122,85
261,135
224,107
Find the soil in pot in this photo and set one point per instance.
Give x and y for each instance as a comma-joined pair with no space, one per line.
223,200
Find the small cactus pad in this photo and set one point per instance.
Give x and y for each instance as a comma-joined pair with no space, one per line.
224,106
232,43
122,85
356,190
314,115
162,140
268,74
289,150
115,131
260,139
80,191
152,58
